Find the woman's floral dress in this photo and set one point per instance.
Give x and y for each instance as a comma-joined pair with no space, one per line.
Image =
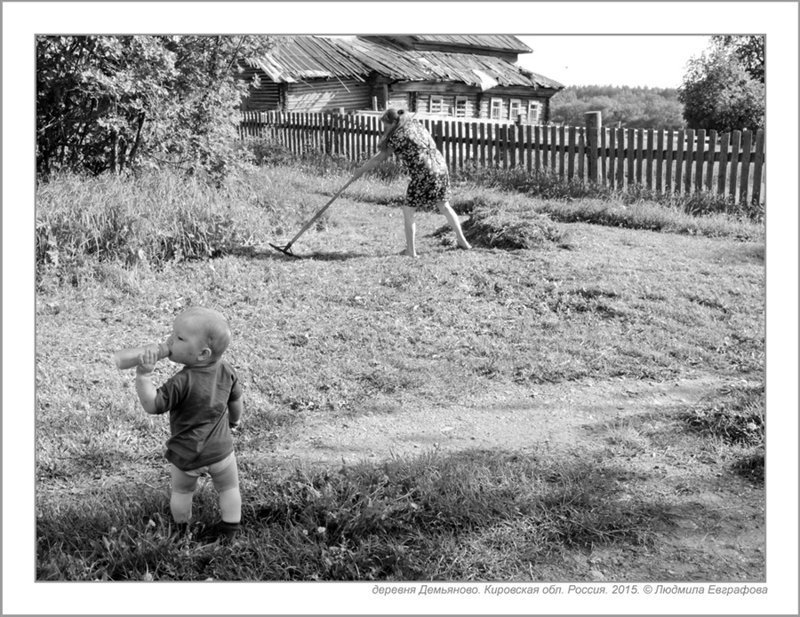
430,180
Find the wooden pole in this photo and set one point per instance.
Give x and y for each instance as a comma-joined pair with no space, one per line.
594,122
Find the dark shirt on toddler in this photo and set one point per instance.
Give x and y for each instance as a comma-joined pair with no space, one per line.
197,400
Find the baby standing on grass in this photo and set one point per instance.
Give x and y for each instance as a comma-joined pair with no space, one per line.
204,401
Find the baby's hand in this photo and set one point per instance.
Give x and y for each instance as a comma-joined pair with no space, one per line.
147,361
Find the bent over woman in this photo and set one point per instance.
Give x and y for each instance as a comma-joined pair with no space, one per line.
430,179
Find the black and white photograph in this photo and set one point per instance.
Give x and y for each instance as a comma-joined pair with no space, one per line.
378,318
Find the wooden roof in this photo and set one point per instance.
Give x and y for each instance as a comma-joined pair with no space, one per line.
496,42
299,58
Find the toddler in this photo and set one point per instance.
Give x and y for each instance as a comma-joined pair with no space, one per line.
197,399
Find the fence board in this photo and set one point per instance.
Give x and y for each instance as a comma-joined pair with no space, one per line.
473,143
689,157
463,144
571,154
511,140
620,158
669,157
649,160
734,163
294,133
758,166
639,155
630,149
659,161
723,163
581,153
446,143
712,150
681,139
528,148
699,160
604,158
561,153
612,157
747,140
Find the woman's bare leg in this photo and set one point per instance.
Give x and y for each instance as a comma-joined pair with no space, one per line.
411,231
452,219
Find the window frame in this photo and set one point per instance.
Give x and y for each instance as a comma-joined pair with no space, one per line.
499,107
511,103
440,99
460,99
536,105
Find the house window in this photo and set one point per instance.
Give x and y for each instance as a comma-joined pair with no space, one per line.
534,112
514,107
436,104
496,109
461,107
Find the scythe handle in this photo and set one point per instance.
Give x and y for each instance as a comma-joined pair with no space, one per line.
320,213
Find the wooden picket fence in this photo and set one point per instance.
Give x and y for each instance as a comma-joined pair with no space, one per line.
678,162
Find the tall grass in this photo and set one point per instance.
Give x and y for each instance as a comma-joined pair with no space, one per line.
157,217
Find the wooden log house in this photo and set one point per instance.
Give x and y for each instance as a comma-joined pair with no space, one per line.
461,76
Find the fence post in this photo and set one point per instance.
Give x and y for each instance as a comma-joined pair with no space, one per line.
594,122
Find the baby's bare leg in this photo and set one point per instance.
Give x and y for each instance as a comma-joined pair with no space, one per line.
226,481
180,501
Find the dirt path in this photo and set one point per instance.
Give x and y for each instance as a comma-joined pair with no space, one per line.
711,527
546,417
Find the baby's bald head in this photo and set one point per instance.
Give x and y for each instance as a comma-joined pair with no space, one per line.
210,326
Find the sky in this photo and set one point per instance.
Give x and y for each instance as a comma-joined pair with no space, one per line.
656,61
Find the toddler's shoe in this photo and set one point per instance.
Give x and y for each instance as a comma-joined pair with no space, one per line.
221,531
227,531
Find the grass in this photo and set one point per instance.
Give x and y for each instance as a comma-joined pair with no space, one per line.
349,332
401,520
735,416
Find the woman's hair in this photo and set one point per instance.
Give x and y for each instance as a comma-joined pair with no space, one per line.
397,118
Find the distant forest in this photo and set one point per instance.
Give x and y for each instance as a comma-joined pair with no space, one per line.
649,108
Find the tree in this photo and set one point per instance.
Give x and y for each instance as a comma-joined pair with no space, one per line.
656,108
750,50
113,103
718,92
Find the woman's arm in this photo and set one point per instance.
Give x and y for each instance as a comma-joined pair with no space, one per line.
372,163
